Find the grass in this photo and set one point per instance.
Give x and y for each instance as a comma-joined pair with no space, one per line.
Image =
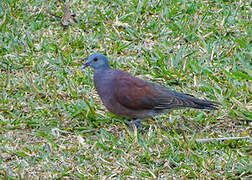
54,126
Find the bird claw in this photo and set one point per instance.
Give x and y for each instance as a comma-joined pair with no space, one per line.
135,123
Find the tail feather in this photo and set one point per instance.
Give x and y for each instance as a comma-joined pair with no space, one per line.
205,104
196,103
174,100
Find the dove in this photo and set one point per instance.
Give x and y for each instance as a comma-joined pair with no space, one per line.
134,98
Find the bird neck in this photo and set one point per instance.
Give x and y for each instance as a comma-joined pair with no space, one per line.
101,70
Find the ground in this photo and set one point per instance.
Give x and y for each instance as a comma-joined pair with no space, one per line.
53,124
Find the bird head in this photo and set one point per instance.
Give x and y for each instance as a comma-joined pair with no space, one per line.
96,61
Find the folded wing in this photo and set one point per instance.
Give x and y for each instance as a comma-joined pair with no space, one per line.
138,94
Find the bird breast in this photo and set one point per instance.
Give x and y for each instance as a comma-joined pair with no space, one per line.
104,86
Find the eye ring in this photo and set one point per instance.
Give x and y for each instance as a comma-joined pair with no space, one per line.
95,59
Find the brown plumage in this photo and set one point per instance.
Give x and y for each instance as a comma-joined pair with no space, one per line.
131,97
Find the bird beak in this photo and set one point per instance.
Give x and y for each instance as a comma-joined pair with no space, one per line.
85,65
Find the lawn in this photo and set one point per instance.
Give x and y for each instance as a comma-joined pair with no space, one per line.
53,125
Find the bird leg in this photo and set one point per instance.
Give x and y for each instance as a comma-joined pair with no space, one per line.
135,122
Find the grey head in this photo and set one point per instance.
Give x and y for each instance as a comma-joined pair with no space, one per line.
97,61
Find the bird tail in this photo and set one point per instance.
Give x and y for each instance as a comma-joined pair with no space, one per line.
196,103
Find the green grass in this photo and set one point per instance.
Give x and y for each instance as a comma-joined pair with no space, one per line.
53,125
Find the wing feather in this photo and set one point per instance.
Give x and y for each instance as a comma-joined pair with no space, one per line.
139,94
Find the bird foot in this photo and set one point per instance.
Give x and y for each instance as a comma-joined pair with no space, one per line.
135,123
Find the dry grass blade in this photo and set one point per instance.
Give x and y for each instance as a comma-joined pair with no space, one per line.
66,17
219,139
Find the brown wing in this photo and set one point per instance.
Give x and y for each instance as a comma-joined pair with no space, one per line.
137,94
133,92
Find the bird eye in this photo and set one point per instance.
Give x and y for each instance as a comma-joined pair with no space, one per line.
95,59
